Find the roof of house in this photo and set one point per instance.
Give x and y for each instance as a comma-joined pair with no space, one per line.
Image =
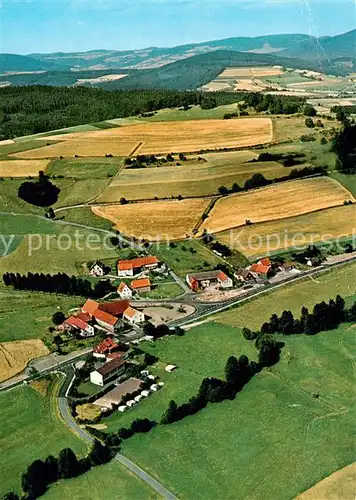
111,366
114,355
222,276
90,307
105,317
265,261
116,307
243,272
122,287
104,345
130,312
208,275
124,265
76,322
141,283
286,265
260,269
84,317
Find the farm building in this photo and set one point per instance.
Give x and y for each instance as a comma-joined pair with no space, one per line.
135,266
106,347
287,266
79,324
124,291
244,275
206,279
141,285
108,315
115,396
109,370
262,271
133,316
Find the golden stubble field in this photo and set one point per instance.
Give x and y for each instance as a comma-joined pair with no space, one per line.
158,137
277,201
14,356
190,178
156,220
268,237
22,168
252,72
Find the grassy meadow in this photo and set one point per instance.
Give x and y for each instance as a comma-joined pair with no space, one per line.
292,297
269,443
83,168
30,429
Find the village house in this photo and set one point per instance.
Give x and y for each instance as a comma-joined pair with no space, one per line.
124,291
111,369
141,285
287,266
97,269
206,279
108,315
79,324
133,316
135,266
262,271
244,275
105,348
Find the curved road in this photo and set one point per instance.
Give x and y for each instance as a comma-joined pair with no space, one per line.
71,423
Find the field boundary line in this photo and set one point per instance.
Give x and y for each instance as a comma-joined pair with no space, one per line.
135,149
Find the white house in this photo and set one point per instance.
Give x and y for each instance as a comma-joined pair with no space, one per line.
124,291
206,279
111,369
135,266
97,269
133,316
80,325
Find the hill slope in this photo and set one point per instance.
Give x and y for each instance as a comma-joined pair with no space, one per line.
16,62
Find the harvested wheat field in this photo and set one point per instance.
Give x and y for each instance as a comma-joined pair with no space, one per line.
246,72
14,356
195,178
156,220
338,486
159,137
22,168
269,237
276,201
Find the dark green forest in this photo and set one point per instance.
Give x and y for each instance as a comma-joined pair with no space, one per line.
35,109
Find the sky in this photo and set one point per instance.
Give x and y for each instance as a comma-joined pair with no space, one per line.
79,25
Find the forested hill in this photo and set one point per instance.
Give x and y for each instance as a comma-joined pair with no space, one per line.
35,109
16,62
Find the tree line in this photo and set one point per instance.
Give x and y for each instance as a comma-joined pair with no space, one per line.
275,105
40,474
344,145
34,109
58,283
259,180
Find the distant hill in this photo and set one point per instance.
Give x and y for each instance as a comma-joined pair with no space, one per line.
325,48
16,62
192,73
288,45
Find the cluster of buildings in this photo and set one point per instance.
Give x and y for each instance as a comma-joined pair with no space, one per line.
209,279
108,316
262,271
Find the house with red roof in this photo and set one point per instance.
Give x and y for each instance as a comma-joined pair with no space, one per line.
206,279
133,316
108,314
262,271
105,348
135,266
79,324
141,285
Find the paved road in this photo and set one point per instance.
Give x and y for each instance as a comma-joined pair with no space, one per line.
71,423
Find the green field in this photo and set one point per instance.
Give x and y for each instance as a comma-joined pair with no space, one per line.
348,181
30,429
85,216
267,444
26,315
194,113
111,481
74,192
292,297
184,257
84,169
190,178
163,291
